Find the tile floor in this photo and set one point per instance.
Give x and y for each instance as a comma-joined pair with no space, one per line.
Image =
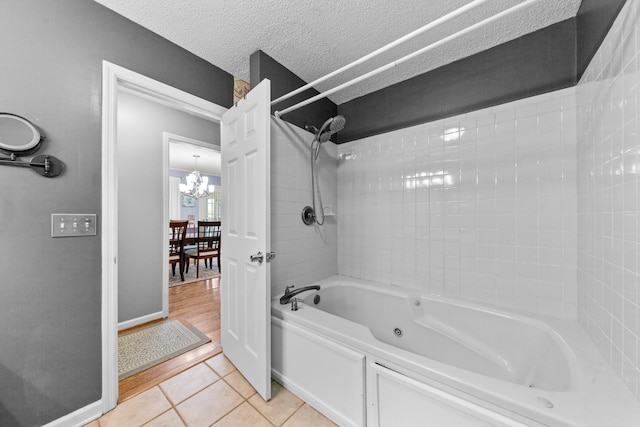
212,393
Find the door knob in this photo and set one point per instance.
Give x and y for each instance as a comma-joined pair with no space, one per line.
257,258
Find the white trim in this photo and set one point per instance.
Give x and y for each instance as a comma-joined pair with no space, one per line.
115,78
174,197
80,417
109,240
202,208
172,137
142,319
153,90
165,222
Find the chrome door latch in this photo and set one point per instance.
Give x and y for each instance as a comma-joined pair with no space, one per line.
259,257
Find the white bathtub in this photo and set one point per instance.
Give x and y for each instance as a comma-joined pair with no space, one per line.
367,354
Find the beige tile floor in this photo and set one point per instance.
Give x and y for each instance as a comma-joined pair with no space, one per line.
212,393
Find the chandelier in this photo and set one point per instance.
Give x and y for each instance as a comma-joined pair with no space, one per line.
196,185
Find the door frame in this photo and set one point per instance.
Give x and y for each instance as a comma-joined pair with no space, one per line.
114,78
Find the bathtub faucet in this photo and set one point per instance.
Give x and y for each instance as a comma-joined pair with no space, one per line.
289,293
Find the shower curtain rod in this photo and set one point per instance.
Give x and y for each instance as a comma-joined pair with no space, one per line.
383,49
406,58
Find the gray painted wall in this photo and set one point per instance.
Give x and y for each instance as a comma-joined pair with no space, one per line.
141,123
536,63
283,81
546,60
51,73
593,21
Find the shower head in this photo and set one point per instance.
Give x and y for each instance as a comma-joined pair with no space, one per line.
328,128
335,124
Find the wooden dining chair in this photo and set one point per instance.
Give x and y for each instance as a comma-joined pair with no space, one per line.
177,232
207,245
191,228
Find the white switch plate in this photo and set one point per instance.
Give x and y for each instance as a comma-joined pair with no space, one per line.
73,225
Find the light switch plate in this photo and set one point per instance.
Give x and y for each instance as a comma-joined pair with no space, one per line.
73,225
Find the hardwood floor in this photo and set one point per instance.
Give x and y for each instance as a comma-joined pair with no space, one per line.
194,304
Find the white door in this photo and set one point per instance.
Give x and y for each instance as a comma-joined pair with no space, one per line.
246,231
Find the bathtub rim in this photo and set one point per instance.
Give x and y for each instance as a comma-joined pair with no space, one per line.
593,381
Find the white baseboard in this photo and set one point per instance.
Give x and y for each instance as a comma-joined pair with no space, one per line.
80,417
140,320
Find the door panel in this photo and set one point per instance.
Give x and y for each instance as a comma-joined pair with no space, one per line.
246,285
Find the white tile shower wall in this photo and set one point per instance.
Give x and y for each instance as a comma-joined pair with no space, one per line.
304,254
608,206
480,207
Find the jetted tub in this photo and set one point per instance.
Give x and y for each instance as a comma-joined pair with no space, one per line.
368,354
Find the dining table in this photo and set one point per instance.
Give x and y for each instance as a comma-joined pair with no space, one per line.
190,238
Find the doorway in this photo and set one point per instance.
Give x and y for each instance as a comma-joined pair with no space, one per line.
149,140
186,156
116,79
192,301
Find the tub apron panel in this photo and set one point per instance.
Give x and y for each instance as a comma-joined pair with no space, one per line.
326,375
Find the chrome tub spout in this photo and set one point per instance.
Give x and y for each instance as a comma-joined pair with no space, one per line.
289,293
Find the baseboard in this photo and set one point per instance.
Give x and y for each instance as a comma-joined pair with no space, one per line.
140,320
80,417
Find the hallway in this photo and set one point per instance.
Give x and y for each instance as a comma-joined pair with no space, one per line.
194,304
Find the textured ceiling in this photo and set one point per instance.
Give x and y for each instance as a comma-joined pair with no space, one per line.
315,37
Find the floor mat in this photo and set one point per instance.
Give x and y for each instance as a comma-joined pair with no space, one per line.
143,348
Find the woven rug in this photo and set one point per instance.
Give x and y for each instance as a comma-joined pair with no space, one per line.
143,348
190,277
